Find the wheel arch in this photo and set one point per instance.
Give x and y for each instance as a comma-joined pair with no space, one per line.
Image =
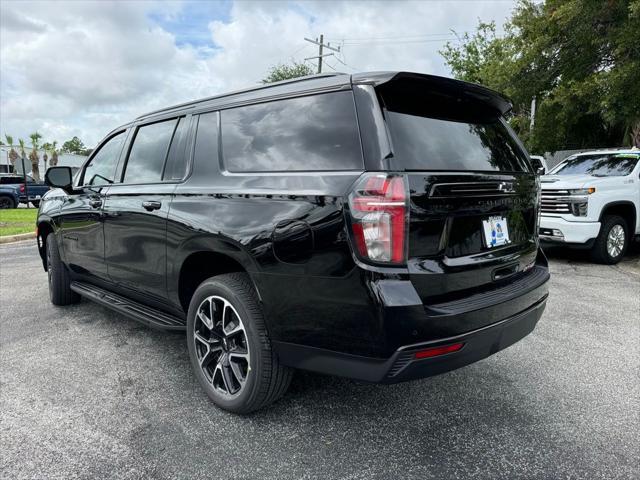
44,229
204,258
624,208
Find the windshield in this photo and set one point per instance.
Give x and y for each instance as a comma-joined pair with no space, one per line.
599,165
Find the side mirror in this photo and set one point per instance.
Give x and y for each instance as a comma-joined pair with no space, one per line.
59,177
538,166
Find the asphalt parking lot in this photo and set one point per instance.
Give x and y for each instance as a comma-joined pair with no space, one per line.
85,393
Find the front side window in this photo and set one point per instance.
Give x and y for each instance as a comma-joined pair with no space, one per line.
313,133
599,165
149,152
102,167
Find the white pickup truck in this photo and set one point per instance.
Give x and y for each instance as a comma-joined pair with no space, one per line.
592,200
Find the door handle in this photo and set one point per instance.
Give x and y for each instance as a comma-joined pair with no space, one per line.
95,203
151,205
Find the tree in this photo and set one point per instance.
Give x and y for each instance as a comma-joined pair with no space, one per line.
74,145
54,154
33,156
285,72
46,148
580,59
13,155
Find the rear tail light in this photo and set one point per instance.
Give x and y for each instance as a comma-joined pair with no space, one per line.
22,187
379,214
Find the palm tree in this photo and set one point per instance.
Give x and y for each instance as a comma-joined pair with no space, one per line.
13,155
33,156
46,148
23,155
54,154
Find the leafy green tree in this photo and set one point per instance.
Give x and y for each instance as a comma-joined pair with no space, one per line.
580,59
74,145
285,72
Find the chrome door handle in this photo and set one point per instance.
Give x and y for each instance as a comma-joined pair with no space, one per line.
151,205
95,203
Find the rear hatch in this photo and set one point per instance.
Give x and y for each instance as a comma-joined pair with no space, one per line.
473,195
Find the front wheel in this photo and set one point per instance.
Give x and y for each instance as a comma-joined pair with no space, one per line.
612,241
229,347
58,275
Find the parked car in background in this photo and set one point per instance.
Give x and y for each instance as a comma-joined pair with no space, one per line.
9,196
34,190
314,223
591,200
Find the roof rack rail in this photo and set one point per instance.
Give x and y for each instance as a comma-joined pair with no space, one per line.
245,90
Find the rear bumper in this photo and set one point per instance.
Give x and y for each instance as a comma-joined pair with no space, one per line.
403,365
558,230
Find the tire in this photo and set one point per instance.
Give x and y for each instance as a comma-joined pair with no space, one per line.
227,357
60,291
7,202
612,241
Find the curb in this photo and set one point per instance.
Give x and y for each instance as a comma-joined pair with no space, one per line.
17,238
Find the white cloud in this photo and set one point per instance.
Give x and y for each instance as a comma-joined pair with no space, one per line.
83,68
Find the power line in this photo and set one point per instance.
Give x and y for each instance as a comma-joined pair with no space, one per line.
396,37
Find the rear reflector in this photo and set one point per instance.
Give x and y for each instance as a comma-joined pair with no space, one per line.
435,351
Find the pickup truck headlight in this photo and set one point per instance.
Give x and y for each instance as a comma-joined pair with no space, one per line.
582,191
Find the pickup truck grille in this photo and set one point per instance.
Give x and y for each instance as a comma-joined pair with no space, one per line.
555,201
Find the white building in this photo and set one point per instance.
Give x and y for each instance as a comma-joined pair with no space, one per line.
64,159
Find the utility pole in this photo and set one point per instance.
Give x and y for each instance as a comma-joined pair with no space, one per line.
321,47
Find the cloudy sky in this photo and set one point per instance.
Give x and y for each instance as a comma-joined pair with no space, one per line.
82,68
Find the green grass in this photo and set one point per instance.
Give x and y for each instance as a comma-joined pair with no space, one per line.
17,220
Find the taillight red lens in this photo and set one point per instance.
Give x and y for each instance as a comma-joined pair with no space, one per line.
22,188
436,351
378,206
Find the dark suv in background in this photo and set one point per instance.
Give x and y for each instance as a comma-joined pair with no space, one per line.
378,226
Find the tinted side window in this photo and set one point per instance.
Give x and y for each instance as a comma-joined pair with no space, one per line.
317,132
102,168
149,152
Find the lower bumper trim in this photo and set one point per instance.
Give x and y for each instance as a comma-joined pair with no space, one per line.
403,365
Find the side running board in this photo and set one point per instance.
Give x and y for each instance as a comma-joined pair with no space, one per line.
137,311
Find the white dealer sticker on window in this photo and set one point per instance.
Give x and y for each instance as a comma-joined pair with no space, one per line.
496,232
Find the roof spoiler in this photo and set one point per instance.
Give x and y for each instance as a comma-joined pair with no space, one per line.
471,91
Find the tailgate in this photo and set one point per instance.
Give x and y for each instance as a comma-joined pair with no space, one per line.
450,250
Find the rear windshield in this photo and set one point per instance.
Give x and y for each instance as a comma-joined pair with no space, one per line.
433,130
599,165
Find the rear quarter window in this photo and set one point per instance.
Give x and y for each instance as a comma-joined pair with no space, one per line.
312,133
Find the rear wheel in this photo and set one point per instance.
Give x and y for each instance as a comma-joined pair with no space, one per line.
60,291
229,346
612,241
7,202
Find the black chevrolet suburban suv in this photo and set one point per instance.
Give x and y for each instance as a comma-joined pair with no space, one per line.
378,226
